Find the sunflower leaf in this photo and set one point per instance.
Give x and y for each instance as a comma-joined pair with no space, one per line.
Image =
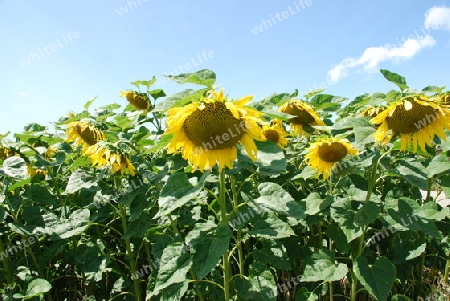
395,78
202,77
376,278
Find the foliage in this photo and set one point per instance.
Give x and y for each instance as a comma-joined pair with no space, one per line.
265,230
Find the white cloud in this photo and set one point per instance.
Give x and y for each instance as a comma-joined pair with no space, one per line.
373,56
23,94
438,18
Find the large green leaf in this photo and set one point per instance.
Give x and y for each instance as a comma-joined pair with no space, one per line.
36,287
376,278
15,167
321,266
273,198
260,285
271,227
62,228
439,164
414,173
407,247
180,99
174,264
209,247
344,215
271,159
395,78
80,179
177,192
202,77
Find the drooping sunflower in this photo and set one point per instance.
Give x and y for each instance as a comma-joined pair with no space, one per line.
371,111
304,115
104,154
6,152
32,172
138,100
416,119
325,152
276,133
206,133
83,133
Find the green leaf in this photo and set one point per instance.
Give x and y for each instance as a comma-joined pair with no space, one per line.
321,266
407,247
180,99
36,287
78,180
439,164
274,253
89,103
209,248
177,192
338,237
343,213
377,278
271,159
414,173
202,77
162,143
62,228
273,198
326,102
434,89
157,93
147,83
174,264
260,285
315,204
271,227
395,78
15,167
410,215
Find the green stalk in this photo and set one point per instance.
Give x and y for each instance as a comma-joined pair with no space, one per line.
360,240
5,264
198,292
239,232
224,221
447,270
133,269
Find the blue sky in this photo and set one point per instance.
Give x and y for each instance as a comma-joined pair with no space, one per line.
57,55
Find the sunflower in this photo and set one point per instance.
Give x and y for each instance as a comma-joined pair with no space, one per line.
304,115
276,133
206,133
36,172
6,152
416,119
138,100
325,152
371,111
83,133
103,154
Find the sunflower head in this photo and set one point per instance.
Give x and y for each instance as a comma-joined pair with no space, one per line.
371,111
276,133
106,154
415,118
303,114
325,152
444,98
83,133
139,100
207,132
6,152
35,172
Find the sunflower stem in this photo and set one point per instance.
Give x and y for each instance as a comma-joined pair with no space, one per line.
447,270
239,232
224,221
133,269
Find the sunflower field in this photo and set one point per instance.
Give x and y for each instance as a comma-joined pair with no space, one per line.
196,196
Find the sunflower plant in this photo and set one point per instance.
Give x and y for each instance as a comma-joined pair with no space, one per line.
197,196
